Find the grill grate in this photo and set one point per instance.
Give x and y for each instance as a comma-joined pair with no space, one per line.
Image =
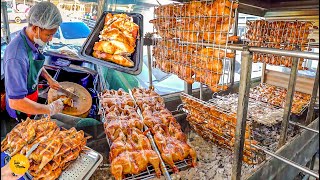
260,112
208,119
149,173
276,96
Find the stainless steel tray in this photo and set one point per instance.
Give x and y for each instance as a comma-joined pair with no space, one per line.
82,168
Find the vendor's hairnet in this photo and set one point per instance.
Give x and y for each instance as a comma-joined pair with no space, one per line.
45,15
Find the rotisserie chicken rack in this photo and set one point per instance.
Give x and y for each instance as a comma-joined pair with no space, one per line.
167,133
212,122
287,35
57,148
117,40
276,96
130,149
195,22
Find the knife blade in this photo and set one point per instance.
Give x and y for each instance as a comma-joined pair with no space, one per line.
68,93
34,147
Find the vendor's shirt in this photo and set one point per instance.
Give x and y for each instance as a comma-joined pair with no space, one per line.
16,68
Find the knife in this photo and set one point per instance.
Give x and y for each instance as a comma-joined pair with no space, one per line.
68,93
34,147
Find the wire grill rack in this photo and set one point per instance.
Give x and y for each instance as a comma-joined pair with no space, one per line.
287,35
123,99
218,125
276,96
156,99
260,112
196,22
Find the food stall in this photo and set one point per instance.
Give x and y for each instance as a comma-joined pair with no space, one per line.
266,128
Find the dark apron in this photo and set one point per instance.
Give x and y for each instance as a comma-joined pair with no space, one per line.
35,67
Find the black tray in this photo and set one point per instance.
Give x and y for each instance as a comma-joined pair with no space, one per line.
87,48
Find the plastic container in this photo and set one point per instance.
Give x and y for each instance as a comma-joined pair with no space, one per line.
87,48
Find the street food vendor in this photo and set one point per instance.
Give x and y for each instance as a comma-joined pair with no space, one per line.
23,63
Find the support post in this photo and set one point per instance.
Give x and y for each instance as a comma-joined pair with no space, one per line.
149,66
313,97
201,91
4,18
245,77
188,88
288,105
263,75
101,6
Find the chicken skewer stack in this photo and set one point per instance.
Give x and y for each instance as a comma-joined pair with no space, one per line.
130,149
56,151
194,22
168,136
212,123
280,35
276,96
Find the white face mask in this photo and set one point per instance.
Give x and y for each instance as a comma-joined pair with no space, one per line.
39,41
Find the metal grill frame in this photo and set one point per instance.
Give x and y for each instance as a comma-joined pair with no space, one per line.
265,38
257,157
147,174
253,92
181,165
182,21
252,104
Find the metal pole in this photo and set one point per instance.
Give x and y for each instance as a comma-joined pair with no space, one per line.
287,161
232,61
281,52
313,97
288,105
101,5
188,88
201,91
245,81
5,20
264,68
149,66
302,54
304,127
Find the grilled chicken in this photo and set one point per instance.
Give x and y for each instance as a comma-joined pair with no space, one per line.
134,163
117,40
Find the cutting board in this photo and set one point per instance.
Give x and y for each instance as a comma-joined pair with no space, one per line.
81,106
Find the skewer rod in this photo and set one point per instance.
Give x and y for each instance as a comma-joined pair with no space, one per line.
287,161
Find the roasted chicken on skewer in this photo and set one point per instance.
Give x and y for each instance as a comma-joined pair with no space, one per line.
133,141
134,163
172,149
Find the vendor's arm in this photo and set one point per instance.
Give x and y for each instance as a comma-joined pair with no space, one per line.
52,82
16,75
28,106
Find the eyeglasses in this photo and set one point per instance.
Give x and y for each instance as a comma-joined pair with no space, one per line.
47,36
